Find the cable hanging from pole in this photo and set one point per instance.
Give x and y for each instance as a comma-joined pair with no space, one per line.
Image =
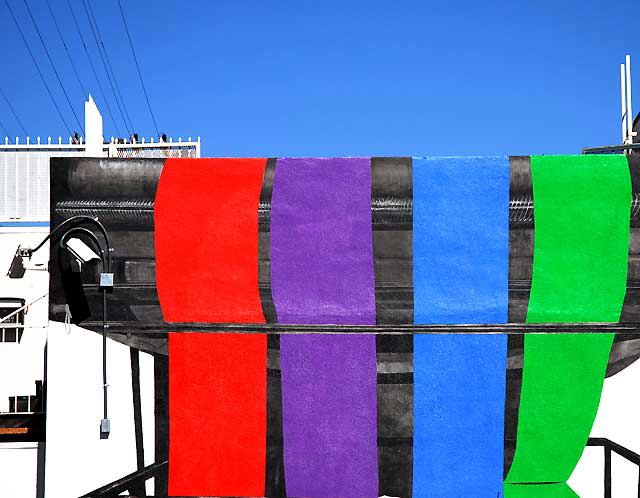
144,89
13,111
66,49
113,74
35,62
6,133
93,69
46,51
104,63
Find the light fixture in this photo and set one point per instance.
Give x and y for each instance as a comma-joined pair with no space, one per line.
79,252
17,268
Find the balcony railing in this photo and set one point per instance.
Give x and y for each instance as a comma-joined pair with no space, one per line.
609,448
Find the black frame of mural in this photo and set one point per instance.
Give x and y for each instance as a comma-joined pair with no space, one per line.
121,193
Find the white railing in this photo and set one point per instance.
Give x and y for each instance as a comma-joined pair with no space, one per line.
24,168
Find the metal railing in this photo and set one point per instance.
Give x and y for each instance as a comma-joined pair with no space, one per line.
612,149
611,447
132,483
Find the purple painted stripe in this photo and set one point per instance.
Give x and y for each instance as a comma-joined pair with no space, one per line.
322,272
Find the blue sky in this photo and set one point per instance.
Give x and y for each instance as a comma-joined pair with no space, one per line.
340,78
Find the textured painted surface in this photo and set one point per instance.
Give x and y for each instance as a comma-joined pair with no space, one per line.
206,219
579,275
551,490
393,262
460,276
322,272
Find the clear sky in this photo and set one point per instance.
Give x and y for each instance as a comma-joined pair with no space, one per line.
338,78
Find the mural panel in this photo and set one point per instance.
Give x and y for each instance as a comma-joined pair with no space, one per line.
437,327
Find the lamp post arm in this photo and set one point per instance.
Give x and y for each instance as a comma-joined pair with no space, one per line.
71,226
79,220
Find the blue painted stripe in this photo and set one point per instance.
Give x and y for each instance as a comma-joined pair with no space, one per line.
461,261
24,223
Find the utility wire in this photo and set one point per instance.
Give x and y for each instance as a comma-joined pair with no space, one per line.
104,63
95,74
44,45
113,74
6,133
35,62
13,111
66,49
124,20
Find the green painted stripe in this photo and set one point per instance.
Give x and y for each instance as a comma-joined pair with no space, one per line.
579,275
551,490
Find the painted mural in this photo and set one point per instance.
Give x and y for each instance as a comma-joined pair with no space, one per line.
359,327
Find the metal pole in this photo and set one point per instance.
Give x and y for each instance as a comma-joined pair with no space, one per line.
104,349
629,111
607,471
623,96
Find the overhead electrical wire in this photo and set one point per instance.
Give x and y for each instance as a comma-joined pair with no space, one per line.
46,51
35,62
144,89
113,74
66,49
6,133
95,73
104,63
13,111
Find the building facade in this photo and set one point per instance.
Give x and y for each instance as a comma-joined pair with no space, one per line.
24,221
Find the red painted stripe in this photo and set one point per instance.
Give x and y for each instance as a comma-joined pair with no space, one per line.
217,414
206,217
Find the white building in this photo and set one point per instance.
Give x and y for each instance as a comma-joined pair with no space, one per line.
24,220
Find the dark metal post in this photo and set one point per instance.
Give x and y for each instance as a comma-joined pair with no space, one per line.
607,471
137,489
104,428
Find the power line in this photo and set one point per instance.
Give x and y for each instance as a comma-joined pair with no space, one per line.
37,67
13,111
6,133
113,74
44,45
93,69
104,63
66,49
138,68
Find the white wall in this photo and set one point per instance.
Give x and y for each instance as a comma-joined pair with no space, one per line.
618,419
19,464
77,460
35,282
22,364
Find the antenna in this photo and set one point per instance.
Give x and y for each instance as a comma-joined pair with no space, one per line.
623,97
629,111
625,94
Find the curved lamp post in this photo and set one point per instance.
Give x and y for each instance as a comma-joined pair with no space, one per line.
62,234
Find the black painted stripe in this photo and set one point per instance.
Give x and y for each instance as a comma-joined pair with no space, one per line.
626,349
264,244
391,189
521,242
274,472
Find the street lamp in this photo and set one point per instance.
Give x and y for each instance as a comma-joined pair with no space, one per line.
80,253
